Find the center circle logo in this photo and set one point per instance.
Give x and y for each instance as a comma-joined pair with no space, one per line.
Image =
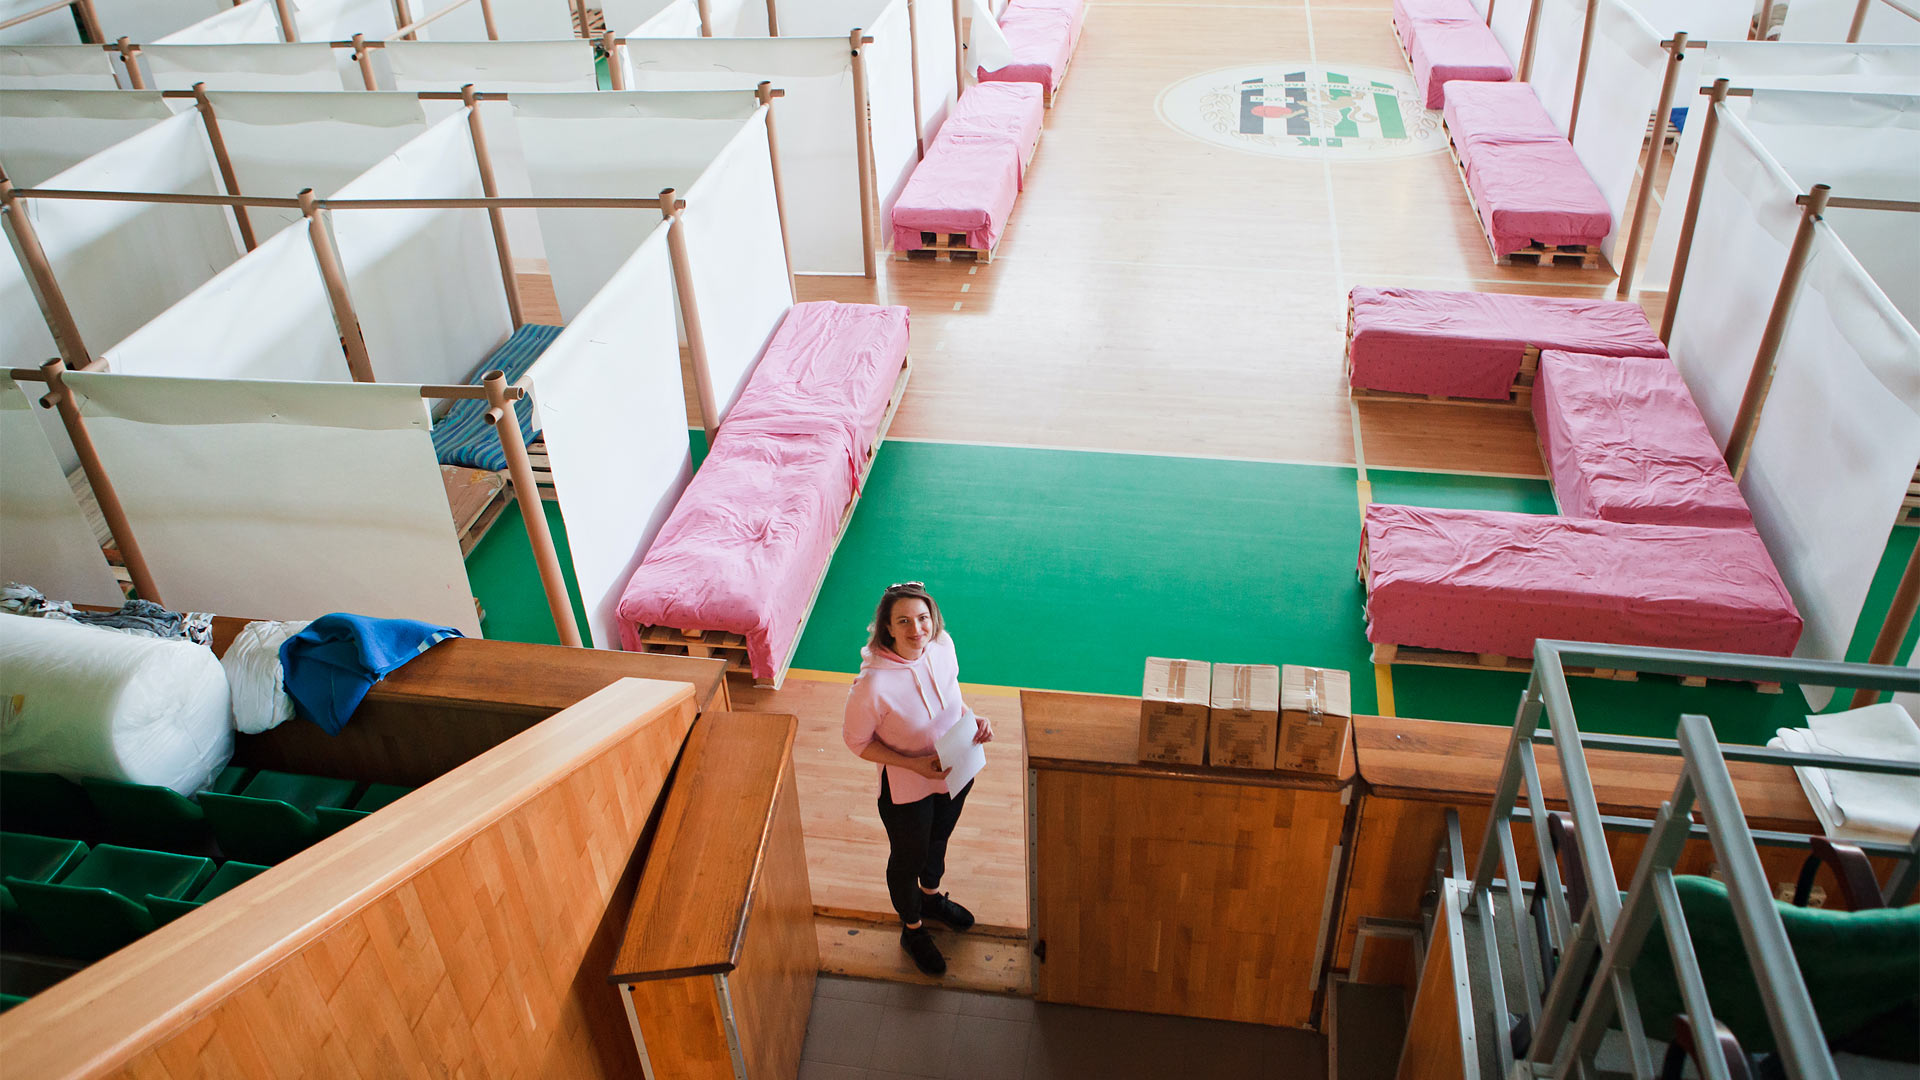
1292,109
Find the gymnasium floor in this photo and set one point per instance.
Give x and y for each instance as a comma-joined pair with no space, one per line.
1129,435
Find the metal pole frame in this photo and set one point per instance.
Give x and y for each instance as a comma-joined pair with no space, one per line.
526,491
496,217
335,279
1629,269
225,162
1684,250
670,208
1760,382
766,94
863,146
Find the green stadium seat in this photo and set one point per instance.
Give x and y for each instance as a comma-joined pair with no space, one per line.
231,779
274,816
45,804
380,795
92,911
8,1001
332,818
150,816
230,874
31,858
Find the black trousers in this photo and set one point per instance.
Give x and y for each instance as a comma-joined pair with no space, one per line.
917,834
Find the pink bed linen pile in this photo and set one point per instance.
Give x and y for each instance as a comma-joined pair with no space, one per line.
972,173
1470,345
745,546
1480,581
1043,34
1446,41
1528,184
1003,113
1624,442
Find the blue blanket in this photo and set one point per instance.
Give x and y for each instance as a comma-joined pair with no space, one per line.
463,436
329,667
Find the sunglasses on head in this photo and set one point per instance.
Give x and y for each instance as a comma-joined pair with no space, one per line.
898,585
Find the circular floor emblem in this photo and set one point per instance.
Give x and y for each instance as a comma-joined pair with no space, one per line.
1299,110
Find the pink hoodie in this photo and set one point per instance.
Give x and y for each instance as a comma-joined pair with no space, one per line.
905,705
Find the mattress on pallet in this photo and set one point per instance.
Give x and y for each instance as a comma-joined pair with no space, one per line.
1624,442
463,436
749,540
1075,12
1003,113
1481,581
1042,41
1408,12
1443,51
959,187
1527,183
1471,345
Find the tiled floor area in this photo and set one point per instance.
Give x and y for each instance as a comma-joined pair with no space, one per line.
864,1030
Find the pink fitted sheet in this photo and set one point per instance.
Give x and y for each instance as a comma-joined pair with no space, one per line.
1007,113
1042,41
1481,581
1075,12
959,187
1527,182
1501,111
1469,344
1448,50
1408,12
750,537
1624,442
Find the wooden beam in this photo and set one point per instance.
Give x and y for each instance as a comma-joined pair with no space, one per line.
496,217
1580,69
1692,218
335,279
533,513
863,145
766,94
46,288
1760,382
225,162
1676,55
61,398
690,316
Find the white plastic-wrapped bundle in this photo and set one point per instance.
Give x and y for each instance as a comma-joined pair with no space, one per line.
82,701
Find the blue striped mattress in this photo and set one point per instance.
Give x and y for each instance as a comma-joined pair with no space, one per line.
463,436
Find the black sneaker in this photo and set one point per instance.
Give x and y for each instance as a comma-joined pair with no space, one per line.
941,909
918,941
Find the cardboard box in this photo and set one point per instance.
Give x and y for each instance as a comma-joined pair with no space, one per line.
1243,728
1316,715
1174,699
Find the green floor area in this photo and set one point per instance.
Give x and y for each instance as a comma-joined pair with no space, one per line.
507,584
1064,569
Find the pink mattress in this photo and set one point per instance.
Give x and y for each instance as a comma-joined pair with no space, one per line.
1468,344
1075,12
1006,113
1624,442
1042,41
1481,581
959,187
1527,182
1408,12
750,537
1453,50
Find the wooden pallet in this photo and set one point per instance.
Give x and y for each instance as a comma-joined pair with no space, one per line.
684,641
949,246
1585,256
1519,395
1407,654
1910,506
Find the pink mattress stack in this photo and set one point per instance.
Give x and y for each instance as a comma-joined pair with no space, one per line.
1470,345
974,170
1527,183
1043,34
1447,41
1624,442
746,545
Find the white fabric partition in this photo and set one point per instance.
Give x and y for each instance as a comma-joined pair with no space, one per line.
496,67
1828,20
339,20
933,38
608,398
1866,146
45,541
1625,69
679,19
265,317
819,162
1509,25
729,18
632,12
608,144
280,143
896,143
1855,68
282,500
25,341
1703,20
45,132
297,66
516,20
121,263
56,67
53,28
425,283
987,46
1556,57
251,22
147,21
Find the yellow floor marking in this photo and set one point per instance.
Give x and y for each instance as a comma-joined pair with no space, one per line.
1383,688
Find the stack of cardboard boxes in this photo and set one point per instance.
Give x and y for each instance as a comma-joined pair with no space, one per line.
1245,716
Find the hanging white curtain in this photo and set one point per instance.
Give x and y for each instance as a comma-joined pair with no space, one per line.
56,67
44,132
680,19
282,500
933,38
1828,20
298,66
1625,69
52,28
45,540
608,398
631,13
425,283
252,22
281,143
896,145
147,21
515,20
1556,57
1702,20
1510,27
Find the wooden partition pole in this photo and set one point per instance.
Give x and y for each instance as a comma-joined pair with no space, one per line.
284,9
335,279
913,50
61,398
1489,19
580,16
90,20
403,16
1893,632
863,146
526,492
495,216
1580,70
225,162
1692,217
706,18
690,316
364,57
1859,22
1766,20
1636,230
130,56
773,18
486,15
1526,42
46,288
766,93
960,29
615,75
1740,439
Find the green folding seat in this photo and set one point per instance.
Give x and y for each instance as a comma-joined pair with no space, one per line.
92,911
31,858
334,818
149,816
230,874
45,804
231,779
378,796
8,1001
273,817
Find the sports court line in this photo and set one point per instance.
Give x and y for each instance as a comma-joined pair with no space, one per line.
1130,453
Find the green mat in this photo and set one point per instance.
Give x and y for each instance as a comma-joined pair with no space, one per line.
507,584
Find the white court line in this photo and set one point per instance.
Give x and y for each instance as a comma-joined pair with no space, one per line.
990,445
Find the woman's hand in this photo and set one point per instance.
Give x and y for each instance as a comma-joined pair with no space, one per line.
983,729
928,767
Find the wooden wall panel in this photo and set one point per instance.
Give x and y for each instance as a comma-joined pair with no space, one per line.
469,937
773,986
680,1021
1432,1050
1181,896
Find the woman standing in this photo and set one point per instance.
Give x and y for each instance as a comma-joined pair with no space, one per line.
907,696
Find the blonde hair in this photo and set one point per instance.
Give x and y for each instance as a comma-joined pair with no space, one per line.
879,636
